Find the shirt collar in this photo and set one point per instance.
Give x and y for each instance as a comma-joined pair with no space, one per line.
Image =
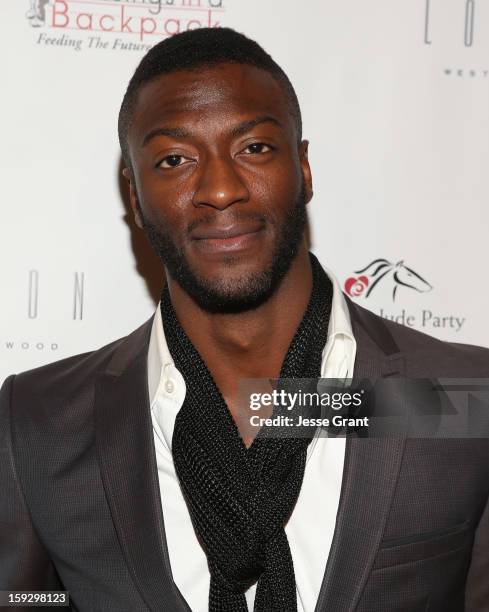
338,354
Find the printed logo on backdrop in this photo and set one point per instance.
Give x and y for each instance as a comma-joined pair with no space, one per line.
397,275
33,309
464,25
385,277
37,12
117,25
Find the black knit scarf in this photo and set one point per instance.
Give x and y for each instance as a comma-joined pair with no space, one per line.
240,499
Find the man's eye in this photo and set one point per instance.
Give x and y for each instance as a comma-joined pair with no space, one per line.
258,147
172,161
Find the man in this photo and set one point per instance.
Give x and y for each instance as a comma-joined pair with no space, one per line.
125,480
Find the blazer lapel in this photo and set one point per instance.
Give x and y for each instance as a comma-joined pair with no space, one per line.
370,474
125,446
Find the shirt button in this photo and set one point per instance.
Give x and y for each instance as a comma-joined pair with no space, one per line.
169,386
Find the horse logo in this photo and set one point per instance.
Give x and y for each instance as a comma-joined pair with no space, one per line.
36,15
382,269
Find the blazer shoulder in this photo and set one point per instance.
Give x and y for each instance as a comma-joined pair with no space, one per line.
70,376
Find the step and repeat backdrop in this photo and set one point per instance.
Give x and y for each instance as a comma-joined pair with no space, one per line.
395,98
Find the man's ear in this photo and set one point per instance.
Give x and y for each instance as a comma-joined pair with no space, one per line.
133,198
306,170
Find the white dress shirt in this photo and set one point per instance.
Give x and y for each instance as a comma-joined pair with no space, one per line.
311,525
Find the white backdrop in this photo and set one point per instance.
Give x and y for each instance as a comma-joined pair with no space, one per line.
395,101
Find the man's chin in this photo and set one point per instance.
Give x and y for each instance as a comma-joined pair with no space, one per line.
233,294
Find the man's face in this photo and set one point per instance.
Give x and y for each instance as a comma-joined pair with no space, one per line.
219,182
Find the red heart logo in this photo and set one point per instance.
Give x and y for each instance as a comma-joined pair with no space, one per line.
355,286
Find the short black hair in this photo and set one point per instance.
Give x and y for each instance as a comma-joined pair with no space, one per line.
195,49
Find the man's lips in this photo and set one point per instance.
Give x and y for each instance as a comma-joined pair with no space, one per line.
230,231
227,239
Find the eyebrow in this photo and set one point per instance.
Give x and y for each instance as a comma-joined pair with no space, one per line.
246,126
237,130
165,131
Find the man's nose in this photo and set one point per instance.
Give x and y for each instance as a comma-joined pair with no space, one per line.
220,185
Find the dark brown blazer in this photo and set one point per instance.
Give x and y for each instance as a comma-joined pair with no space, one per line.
80,505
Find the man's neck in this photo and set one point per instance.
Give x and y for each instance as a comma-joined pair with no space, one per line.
251,344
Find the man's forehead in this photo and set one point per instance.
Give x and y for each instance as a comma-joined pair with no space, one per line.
225,87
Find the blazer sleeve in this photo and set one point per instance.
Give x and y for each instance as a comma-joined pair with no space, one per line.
477,585
24,562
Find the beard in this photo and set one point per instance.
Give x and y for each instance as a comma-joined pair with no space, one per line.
239,294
